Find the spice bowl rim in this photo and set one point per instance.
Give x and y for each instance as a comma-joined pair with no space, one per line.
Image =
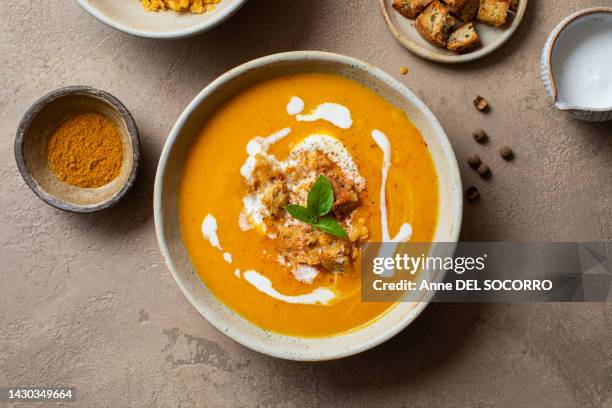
24,127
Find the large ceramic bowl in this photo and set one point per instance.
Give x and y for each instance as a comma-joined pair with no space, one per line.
168,177
129,16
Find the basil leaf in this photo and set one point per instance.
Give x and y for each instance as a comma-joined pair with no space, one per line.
320,203
331,226
301,213
321,196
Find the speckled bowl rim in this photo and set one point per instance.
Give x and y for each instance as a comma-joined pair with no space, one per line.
437,56
35,109
550,46
206,24
301,56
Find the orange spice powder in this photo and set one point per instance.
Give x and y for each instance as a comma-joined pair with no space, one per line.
86,151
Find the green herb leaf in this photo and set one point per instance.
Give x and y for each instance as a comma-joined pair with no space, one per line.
320,203
321,196
302,213
331,226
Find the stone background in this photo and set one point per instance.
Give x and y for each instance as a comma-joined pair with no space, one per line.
87,300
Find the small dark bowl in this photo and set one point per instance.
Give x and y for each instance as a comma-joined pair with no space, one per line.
33,135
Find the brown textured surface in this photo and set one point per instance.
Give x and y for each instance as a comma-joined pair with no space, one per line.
87,301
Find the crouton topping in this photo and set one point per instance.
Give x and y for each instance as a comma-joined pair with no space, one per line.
464,9
410,8
271,185
493,12
436,23
464,39
447,23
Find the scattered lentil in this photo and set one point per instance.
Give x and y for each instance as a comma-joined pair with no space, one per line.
481,104
474,161
484,171
472,194
480,136
403,70
506,153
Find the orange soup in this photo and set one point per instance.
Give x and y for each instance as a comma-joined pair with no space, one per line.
266,150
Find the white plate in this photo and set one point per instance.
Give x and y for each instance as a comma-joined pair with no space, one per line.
167,180
130,17
492,38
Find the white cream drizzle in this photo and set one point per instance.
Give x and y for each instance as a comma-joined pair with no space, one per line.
405,232
260,145
209,231
295,106
334,113
253,210
227,257
253,213
320,295
337,153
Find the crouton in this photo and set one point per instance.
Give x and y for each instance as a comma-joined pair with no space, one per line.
435,23
316,160
493,12
410,8
299,244
274,197
346,196
464,39
334,258
264,172
357,232
336,254
466,10
302,245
